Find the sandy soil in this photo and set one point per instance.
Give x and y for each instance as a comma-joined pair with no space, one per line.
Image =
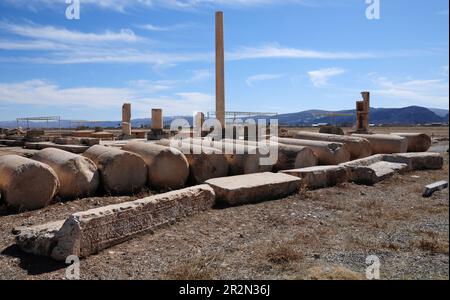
322,234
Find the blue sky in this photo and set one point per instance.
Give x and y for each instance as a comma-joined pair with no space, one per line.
281,56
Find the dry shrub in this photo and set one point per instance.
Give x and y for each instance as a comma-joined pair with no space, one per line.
284,255
430,242
333,273
193,270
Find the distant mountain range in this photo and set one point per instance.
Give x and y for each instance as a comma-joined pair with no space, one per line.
412,115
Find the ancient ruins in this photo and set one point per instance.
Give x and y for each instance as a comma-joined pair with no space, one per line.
190,176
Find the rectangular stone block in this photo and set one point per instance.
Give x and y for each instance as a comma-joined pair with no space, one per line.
434,187
89,232
418,160
320,176
377,172
253,188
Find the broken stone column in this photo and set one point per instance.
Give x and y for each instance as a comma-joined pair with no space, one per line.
78,175
289,156
417,142
328,153
25,183
89,232
241,159
358,147
121,172
126,119
204,163
385,143
220,70
199,121
167,167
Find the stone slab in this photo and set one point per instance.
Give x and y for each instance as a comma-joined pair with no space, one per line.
253,188
418,160
320,176
377,172
89,232
434,187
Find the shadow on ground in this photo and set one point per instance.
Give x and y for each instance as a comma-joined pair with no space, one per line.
34,265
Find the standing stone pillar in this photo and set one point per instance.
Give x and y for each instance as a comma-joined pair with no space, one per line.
362,113
157,119
220,70
199,121
126,119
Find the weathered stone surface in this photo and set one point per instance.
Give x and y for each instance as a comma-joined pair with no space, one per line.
329,153
241,159
77,149
434,187
252,188
92,231
320,176
417,142
204,163
385,143
121,172
77,175
418,160
358,147
377,172
289,156
167,167
25,183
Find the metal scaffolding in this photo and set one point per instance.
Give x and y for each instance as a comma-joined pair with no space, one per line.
40,119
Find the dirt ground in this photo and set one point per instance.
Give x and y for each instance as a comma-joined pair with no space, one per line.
322,234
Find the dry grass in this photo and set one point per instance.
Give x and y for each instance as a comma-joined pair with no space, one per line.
198,269
333,273
284,255
430,242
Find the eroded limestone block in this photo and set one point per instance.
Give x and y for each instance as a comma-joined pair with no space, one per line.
25,183
328,153
418,160
78,175
92,231
320,176
377,172
121,172
358,147
385,143
167,167
417,142
252,188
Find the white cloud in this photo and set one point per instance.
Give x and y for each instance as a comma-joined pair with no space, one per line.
430,92
262,77
51,33
319,78
157,28
277,51
142,94
124,5
200,75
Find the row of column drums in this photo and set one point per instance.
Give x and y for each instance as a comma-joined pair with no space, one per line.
33,183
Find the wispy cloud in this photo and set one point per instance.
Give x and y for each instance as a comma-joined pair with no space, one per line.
262,77
319,78
125,5
143,95
51,33
277,51
165,28
428,92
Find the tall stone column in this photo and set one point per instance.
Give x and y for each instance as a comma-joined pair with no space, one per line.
220,70
157,119
199,121
126,119
366,98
